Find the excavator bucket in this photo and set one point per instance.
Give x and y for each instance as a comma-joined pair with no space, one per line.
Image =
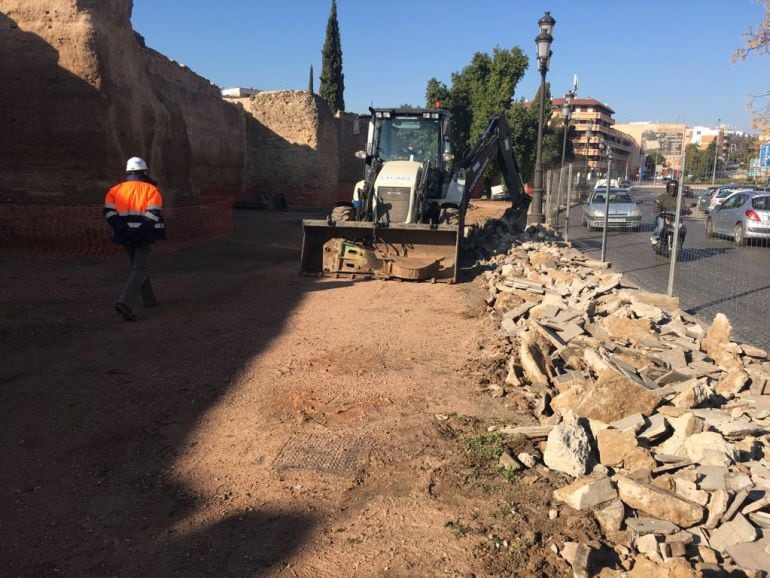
405,251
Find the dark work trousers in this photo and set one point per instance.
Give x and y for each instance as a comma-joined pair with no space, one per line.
138,284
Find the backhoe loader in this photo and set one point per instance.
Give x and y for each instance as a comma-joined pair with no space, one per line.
407,216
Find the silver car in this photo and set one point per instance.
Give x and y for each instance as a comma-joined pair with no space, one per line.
743,215
720,195
624,212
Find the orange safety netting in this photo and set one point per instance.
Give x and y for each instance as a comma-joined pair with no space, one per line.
82,232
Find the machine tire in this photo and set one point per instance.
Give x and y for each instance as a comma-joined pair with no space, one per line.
709,228
738,236
450,216
343,213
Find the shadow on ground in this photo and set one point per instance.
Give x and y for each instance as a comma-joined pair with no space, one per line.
95,410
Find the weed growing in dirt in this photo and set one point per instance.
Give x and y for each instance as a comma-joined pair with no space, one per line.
457,528
508,474
486,447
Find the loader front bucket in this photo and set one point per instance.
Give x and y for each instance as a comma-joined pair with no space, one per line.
402,246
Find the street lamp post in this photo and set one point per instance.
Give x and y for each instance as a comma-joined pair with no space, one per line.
543,43
716,152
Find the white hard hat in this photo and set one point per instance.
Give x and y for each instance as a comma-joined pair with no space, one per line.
135,164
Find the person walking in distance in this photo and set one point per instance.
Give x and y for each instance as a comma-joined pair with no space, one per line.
134,210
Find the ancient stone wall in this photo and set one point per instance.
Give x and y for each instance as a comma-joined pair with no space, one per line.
81,94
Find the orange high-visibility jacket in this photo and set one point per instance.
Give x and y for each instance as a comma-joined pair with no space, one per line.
134,210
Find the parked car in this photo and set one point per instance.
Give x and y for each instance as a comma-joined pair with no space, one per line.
626,184
743,215
624,212
724,191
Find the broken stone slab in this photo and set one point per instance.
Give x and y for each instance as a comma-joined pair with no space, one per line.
753,555
586,493
672,467
647,311
568,449
659,503
643,525
757,505
614,445
740,429
735,505
657,299
634,422
737,531
532,361
613,397
566,380
717,507
751,351
710,449
658,427
508,462
760,519
634,331
647,544
578,556
732,383
689,490
684,426
718,337
528,431
673,568
674,358
521,310
695,395
610,518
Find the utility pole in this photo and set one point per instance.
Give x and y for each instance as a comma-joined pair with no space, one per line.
716,152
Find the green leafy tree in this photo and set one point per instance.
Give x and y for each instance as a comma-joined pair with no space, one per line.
310,81
483,88
332,79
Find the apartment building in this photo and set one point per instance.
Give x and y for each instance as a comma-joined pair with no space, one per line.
594,118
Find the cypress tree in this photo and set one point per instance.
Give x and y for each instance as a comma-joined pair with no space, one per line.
332,79
310,81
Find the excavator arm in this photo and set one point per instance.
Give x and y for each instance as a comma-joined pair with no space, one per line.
494,145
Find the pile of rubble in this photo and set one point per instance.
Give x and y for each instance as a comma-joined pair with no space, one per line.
663,425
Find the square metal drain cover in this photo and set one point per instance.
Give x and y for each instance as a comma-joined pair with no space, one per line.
325,452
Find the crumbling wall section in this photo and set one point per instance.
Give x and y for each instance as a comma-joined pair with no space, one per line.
295,148
210,144
81,94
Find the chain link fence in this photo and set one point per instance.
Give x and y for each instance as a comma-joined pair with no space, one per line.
722,263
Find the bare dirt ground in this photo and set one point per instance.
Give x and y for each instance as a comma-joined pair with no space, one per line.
258,423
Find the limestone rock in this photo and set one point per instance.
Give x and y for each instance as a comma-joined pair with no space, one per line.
732,383
658,502
611,517
674,568
586,493
634,331
737,531
614,445
613,397
717,343
568,450
709,448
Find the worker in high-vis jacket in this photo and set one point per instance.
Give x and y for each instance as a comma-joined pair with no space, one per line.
134,210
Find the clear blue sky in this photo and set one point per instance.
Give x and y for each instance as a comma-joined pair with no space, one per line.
656,60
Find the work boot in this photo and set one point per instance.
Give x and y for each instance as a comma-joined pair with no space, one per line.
125,311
